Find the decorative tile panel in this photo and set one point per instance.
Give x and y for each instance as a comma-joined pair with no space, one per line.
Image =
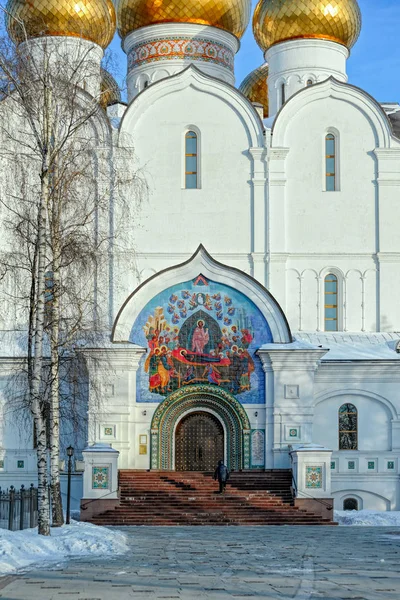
108,431
20,464
333,465
351,465
371,465
314,477
390,465
257,448
1,464
100,478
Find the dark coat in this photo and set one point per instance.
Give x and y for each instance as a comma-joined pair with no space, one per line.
221,473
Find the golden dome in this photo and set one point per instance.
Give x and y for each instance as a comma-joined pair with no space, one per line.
281,20
255,87
231,15
109,89
93,20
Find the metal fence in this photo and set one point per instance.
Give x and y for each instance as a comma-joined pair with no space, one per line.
18,508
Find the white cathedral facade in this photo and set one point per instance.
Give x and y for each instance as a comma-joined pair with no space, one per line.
263,313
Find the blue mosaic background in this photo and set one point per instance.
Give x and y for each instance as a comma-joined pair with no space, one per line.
201,332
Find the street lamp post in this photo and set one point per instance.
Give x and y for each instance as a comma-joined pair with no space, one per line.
70,453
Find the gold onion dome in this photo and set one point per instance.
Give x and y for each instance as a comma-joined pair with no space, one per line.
109,89
92,20
277,21
255,87
230,15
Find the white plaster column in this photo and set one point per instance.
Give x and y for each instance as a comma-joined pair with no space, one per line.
158,51
259,242
290,419
277,251
112,398
297,63
388,255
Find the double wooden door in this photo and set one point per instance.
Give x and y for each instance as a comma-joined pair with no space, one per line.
199,442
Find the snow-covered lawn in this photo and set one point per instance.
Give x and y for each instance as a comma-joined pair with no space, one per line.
22,549
370,518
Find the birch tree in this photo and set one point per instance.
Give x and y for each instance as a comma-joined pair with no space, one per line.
55,144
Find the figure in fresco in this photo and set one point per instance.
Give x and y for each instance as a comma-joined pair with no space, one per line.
164,369
200,338
189,375
151,367
213,376
247,338
247,368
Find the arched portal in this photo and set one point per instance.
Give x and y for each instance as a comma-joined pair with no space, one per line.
200,399
199,442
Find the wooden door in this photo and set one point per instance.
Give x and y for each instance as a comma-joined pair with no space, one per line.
199,443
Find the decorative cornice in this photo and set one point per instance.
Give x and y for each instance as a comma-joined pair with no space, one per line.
180,48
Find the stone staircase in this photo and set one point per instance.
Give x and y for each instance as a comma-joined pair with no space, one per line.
190,498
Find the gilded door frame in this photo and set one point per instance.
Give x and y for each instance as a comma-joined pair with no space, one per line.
200,397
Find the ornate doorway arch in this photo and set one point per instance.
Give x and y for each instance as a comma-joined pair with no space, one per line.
200,397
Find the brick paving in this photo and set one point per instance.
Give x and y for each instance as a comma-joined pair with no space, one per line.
199,563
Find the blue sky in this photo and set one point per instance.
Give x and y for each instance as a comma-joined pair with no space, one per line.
374,64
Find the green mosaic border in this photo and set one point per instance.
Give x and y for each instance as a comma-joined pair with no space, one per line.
230,411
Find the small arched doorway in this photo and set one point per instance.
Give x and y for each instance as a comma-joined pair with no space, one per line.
199,442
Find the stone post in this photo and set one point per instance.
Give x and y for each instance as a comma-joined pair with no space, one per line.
311,466
100,480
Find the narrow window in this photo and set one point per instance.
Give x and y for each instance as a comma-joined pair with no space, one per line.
350,504
348,427
330,163
283,94
146,84
331,302
309,82
191,160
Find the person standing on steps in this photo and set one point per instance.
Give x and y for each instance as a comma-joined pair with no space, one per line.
222,474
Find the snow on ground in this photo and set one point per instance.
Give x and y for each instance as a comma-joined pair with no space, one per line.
22,549
369,518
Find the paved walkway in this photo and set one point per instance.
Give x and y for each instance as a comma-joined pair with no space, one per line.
199,563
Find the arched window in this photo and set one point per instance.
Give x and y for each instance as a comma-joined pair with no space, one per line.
348,427
283,94
350,504
330,163
331,302
309,82
191,160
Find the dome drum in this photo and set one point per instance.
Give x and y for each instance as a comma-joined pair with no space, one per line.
155,52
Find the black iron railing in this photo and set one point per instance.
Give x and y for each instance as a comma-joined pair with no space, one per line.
18,508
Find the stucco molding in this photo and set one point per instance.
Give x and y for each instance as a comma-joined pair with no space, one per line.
193,77
323,396
345,92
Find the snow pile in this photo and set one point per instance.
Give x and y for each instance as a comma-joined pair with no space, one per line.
21,549
369,518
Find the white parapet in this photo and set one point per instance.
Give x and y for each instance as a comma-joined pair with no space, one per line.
100,479
311,465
